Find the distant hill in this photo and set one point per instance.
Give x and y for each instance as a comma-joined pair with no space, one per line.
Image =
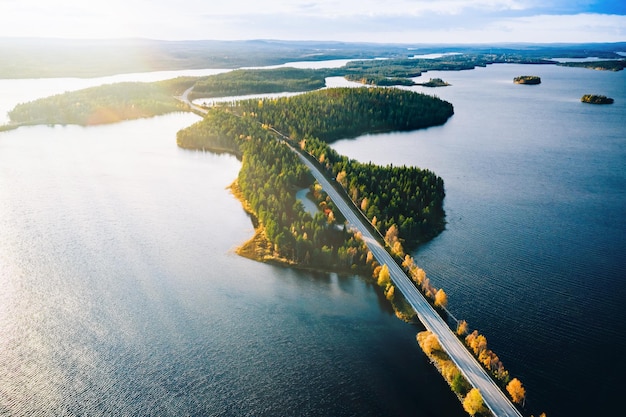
41,58
33,58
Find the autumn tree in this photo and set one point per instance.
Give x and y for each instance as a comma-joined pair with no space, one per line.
461,329
341,179
384,278
477,342
390,292
393,240
441,299
516,391
473,402
364,203
431,343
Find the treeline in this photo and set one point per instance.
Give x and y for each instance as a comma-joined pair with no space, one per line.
411,68
218,131
612,65
259,81
379,80
409,197
270,176
338,113
399,71
97,105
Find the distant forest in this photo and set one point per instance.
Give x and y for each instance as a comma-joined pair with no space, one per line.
259,81
41,58
98,105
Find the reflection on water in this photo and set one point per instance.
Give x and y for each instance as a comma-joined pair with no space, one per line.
121,294
534,248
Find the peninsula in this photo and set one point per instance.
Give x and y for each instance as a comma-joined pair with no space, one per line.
612,65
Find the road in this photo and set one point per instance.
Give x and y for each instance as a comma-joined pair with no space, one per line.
185,99
493,396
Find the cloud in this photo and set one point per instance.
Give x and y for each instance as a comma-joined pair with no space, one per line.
406,21
584,27
433,29
351,8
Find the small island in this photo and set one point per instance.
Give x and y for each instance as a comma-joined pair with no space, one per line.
434,82
596,99
527,79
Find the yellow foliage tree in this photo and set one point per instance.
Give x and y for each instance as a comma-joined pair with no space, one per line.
341,179
408,262
383,276
390,292
477,342
461,329
431,343
397,248
516,391
419,275
376,271
441,299
392,234
473,402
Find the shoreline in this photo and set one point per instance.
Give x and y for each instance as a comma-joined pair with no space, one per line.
258,249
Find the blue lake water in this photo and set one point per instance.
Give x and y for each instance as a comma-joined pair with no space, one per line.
120,293
534,252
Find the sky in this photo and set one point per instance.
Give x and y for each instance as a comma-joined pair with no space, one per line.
381,21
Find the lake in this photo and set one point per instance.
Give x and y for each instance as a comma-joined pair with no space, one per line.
120,293
534,251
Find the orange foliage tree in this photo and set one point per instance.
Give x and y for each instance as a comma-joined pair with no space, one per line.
516,391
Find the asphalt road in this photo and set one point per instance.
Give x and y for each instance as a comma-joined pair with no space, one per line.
492,395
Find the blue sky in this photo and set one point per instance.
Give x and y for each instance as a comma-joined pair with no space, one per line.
402,21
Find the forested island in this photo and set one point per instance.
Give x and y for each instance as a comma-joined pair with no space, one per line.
527,79
596,99
434,82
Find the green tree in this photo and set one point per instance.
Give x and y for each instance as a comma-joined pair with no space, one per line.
459,384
